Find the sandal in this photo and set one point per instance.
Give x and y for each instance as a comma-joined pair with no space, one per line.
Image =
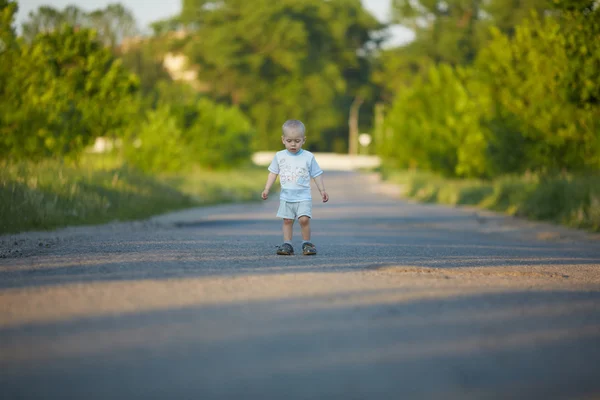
285,249
309,249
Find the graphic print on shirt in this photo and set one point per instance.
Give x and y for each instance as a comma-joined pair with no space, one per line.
301,176
288,174
285,172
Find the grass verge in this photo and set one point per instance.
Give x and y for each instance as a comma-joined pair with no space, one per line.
569,200
51,194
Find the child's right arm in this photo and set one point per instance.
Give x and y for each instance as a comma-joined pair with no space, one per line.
270,181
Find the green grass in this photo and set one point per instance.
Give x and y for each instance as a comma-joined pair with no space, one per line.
569,200
51,194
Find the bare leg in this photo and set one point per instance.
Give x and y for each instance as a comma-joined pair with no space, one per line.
305,227
288,229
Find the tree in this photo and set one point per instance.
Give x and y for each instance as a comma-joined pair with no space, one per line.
453,31
112,23
8,43
506,15
446,31
303,59
530,102
62,90
167,25
145,59
46,19
544,90
434,125
8,38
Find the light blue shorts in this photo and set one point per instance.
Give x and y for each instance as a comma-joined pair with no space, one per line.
294,210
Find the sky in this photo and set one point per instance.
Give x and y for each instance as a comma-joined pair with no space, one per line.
147,11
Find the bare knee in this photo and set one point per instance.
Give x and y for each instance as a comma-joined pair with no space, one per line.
304,220
288,221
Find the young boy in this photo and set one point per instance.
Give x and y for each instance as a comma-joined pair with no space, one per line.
295,168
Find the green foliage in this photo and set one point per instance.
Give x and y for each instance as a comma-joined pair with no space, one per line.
8,46
61,91
447,32
528,103
581,30
145,59
219,136
164,26
546,99
8,10
185,130
111,24
507,15
302,59
45,20
156,145
434,125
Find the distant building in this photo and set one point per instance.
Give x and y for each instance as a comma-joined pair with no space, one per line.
177,66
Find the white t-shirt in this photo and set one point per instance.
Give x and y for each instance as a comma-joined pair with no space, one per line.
295,172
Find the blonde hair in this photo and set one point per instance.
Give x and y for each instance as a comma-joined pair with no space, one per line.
292,126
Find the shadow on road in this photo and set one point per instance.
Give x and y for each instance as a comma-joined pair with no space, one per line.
529,344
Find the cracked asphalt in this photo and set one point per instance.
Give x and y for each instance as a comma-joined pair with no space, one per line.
404,300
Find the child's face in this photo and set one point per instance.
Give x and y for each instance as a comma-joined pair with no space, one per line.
293,141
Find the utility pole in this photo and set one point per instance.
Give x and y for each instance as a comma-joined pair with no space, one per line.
379,109
353,125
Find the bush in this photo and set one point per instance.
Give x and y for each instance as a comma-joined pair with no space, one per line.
219,136
566,199
158,144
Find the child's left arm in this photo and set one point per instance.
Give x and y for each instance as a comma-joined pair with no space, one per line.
321,186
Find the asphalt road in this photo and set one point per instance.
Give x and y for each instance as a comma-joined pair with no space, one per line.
403,301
